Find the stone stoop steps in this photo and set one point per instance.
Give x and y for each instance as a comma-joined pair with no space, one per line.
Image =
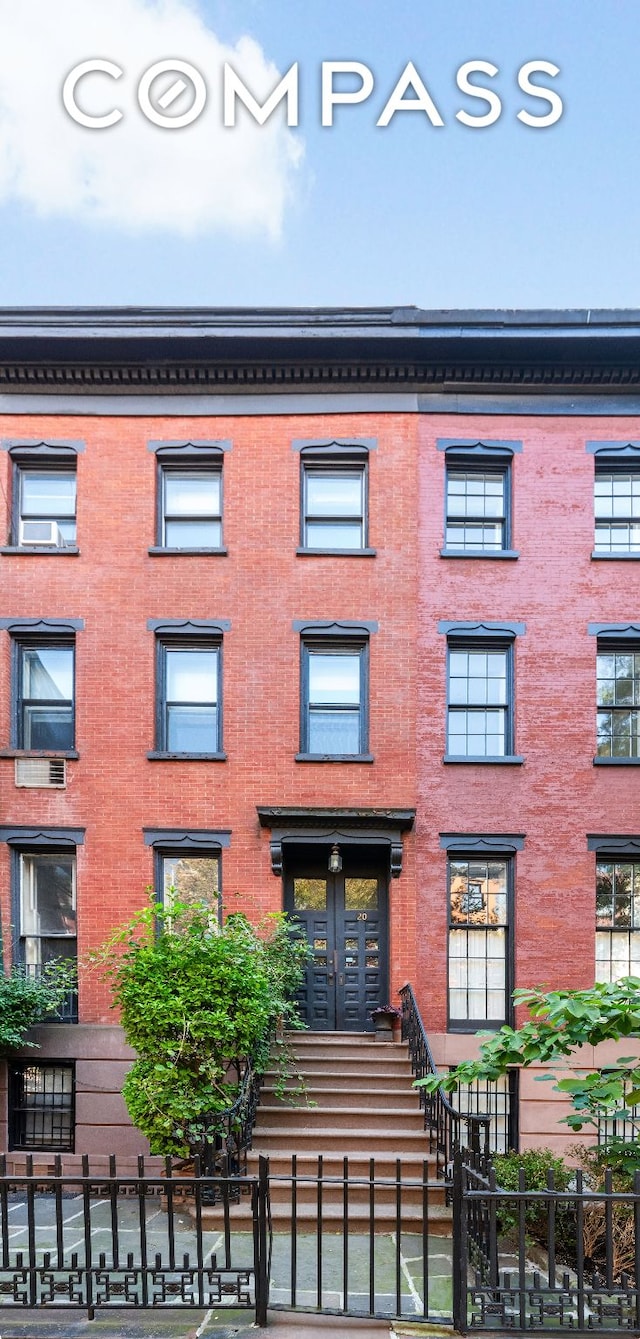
359,1104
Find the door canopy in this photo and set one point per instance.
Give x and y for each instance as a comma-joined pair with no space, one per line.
341,827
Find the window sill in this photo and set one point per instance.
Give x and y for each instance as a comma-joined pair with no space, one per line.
160,552
510,759
39,753
335,757
336,553
480,553
474,1026
39,551
616,762
615,557
158,755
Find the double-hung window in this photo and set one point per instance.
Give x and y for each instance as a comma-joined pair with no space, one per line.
616,499
618,676
334,720
187,867
47,915
617,918
43,514
189,512
334,497
476,509
480,896
480,723
45,696
189,688
478,498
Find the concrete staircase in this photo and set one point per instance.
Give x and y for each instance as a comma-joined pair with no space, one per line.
359,1104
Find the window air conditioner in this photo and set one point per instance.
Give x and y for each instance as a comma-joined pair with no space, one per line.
41,532
45,773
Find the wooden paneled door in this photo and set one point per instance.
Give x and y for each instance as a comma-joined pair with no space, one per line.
344,917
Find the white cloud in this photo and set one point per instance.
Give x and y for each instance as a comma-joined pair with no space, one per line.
136,176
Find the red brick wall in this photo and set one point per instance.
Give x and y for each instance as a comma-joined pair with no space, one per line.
261,585
557,796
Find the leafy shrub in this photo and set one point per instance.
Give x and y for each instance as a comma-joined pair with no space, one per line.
537,1163
195,1001
26,1000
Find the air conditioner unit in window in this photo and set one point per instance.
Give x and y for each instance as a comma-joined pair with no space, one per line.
41,532
41,773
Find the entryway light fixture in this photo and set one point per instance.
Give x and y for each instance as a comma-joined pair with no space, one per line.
335,860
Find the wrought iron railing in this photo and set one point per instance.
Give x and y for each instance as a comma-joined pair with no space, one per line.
448,1128
228,1134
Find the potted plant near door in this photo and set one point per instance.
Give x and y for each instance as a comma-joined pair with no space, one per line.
386,1019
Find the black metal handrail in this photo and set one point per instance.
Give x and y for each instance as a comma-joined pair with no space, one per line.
228,1134
448,1128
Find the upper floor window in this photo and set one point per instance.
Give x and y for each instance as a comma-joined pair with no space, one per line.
334,508
188,687
617,919
334,691
334,497
476,509
618,671
480,724
45,695
46,511
478,497
189,496
617,510
191,508
479,714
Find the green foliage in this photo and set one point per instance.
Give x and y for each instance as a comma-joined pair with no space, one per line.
560,1021
536,1163
26,1000
195,1001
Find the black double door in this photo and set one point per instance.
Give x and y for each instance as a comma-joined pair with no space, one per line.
344,917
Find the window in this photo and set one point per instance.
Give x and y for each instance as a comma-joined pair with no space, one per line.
47,914
618,673
334,501
189,688
191,508
45,694
41,1107
498,1099
190,716
476,508
479,717
334,507
46,507
189,496
334,697
617,919
617,510
479,988
189,877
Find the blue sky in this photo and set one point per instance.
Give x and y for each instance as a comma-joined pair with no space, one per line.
355,214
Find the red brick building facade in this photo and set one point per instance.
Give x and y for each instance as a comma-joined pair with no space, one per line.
277,583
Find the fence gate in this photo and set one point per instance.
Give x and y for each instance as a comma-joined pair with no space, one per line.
96,1240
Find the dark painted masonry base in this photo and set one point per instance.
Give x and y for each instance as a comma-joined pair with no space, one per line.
98,1059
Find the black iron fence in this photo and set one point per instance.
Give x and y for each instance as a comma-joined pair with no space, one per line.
96,1240
448,1127
544,1261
